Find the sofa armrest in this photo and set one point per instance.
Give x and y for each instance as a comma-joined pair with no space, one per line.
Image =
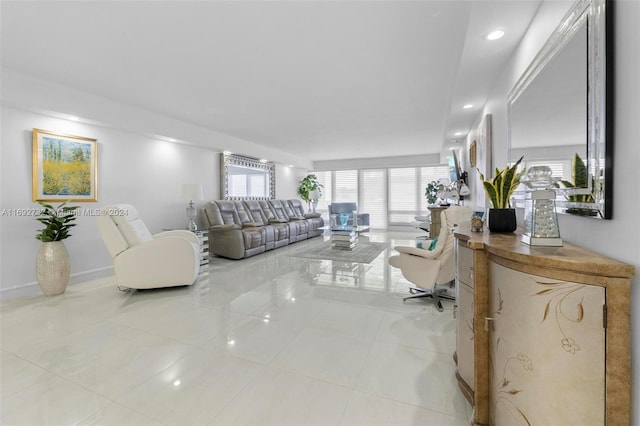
312,215
179,233
225,227
278,221
251,225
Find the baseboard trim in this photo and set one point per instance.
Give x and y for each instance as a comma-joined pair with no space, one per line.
31,288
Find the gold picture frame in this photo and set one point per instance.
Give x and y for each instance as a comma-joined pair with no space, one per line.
473,153
65,167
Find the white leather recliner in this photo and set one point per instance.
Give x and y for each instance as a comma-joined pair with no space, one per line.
142,260
429,268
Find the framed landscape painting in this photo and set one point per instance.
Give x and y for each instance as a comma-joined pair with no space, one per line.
64,167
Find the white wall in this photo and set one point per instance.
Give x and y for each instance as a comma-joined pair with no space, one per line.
618,238
132,168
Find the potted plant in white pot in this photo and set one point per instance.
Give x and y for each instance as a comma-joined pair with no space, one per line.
502,218
52,263
310,187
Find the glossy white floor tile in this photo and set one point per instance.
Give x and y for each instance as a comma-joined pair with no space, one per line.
269,340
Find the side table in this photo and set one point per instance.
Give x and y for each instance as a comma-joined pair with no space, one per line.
203,238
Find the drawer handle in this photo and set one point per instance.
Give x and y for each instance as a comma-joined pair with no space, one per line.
486,323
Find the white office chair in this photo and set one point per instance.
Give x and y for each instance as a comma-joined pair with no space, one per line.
428,269
142,260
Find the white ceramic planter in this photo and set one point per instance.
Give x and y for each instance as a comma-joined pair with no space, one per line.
53,268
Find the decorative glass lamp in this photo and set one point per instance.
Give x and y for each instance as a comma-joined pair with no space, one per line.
541,220
190,192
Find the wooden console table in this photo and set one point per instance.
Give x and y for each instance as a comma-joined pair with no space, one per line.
542,332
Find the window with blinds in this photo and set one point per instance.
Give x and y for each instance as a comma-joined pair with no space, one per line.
327,191
391,196
345,186
373,196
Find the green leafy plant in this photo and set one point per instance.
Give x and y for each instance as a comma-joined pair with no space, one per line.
501,187
432,190
580,179
308,184
57,222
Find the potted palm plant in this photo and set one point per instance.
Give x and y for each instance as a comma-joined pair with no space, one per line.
52,263
502,218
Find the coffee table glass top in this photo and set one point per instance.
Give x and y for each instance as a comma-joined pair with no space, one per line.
358,229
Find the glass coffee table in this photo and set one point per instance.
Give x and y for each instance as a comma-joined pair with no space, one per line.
344,237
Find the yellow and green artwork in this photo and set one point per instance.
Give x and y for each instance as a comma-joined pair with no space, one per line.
64,167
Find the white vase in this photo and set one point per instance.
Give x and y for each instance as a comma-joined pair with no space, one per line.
53,268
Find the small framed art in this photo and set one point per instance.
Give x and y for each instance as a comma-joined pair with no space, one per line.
65,167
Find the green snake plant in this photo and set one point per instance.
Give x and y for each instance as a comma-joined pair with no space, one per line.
501,187
580,179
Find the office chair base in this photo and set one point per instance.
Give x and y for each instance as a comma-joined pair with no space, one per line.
441,293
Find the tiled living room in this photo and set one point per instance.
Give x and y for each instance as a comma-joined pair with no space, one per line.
273,339
372,98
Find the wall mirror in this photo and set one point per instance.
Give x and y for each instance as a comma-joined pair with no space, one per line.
558,111
245,178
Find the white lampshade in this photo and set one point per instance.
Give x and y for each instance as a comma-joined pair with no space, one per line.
192,191
314,195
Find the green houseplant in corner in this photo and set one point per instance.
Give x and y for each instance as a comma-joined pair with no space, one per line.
52,263
309,188
502,218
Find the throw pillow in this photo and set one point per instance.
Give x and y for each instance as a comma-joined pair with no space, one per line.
433,244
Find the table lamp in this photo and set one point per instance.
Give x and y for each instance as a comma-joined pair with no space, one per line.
314,196
191,192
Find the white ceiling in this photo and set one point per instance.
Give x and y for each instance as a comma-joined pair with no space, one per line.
317,79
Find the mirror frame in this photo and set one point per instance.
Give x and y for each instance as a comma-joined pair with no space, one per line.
597,15
227,160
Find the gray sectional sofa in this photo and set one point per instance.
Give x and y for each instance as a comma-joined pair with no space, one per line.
239,229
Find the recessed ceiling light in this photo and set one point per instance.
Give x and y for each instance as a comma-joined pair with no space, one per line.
227,152
495,35
458,134
171,139
467,106
262,160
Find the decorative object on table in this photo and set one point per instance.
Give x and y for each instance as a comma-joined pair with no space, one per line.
432,192
476,222
344,219
310,189
191,192
502,218
540,218
65,167
52,263
349,208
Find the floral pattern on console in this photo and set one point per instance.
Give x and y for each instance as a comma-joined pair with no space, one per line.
560,292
